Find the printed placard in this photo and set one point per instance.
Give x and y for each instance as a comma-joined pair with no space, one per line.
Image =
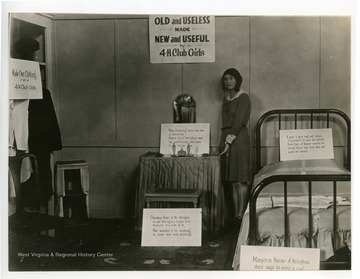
25,80
262,258
186,139
182,38
171,227
306,144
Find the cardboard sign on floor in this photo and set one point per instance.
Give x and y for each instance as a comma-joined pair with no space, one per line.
263,258
171,227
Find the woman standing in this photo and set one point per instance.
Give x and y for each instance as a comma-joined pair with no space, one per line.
235,142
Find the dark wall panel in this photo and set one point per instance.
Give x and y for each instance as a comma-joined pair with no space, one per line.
85,79
144,91
285,57
335,86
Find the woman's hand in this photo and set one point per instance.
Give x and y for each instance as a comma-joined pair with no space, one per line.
226,149
230,138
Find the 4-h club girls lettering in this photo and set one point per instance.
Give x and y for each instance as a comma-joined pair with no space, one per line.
182,39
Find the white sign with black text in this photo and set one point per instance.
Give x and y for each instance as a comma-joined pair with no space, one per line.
182,38
25,80
263,258
185,139
171,227
306,144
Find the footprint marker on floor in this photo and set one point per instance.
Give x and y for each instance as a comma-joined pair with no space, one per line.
124,244
149,262
164,261
214,244
110,260
208,261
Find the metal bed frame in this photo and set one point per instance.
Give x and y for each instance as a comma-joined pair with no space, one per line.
311,114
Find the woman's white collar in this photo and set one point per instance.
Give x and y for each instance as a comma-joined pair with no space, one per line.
236,95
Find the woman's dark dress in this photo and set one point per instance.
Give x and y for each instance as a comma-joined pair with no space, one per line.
235,166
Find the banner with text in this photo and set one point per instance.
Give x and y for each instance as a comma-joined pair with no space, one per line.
306,144
25,80
171,227
182,39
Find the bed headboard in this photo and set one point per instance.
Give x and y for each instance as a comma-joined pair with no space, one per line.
303,119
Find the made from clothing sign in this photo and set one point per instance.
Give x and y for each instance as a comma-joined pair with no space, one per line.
24,80
182,38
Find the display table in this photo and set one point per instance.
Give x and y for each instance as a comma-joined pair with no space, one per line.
183,173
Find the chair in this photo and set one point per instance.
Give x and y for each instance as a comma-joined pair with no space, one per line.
22,220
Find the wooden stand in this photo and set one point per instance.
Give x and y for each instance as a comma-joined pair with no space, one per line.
173,195
71,190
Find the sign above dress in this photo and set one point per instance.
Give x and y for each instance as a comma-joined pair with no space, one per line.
185,139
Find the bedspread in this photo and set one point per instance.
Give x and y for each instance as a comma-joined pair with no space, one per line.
270,213
270,231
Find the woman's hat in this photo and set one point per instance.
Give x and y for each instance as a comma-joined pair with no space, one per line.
26,45
235,73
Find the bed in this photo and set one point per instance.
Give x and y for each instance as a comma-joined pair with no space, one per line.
313,195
